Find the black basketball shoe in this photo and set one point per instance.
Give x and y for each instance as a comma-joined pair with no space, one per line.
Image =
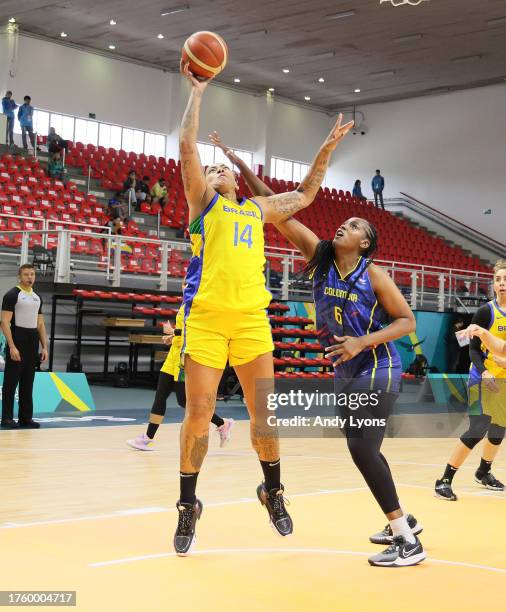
386,536
31,424
399,554
274,501
489,481
185,532
443,490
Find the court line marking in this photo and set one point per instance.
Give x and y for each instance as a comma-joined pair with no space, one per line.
483,493
156,509
220,453
321,551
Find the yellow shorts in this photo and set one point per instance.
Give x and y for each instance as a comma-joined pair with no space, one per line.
172,363
213,338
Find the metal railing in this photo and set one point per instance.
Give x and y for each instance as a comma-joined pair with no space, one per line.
114,262
450,223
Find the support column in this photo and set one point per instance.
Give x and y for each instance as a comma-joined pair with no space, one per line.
262,154
9,37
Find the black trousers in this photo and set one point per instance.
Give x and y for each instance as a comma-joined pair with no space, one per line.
378,194
22,372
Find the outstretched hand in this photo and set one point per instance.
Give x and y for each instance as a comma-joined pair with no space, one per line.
337,133
197,84
216,140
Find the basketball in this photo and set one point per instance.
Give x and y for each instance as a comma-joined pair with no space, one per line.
207,53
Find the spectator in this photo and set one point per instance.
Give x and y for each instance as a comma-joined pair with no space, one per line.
55,143
378,184
130,187
25,117
8,107
159,192
143,193
357,191
116,207
55,167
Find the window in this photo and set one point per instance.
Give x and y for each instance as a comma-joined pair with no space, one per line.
154,144
63,124
287,170
132,140
209,154
86,131
206,152
109,136
41,122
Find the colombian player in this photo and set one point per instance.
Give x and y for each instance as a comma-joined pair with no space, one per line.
350,292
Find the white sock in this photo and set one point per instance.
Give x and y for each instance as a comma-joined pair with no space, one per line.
400,527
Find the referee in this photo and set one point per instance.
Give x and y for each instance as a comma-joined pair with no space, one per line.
23,326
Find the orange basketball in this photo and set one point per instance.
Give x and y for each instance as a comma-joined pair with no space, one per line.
207,53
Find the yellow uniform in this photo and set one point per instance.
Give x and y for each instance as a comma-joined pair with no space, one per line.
172,363
481,399
225,299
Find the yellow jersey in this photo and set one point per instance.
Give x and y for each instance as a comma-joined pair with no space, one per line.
226,271
172,362
498,329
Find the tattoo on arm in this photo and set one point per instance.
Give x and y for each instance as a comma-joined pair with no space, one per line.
313,180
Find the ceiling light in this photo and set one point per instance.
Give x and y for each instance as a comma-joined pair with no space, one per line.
340,15
321,80
174,10
307,98
160,36
382,73
497,21
263,31
271,89
12,20
112,22
236,80
467,58
63,34
324,55
286,70
357,90
112,47
407,38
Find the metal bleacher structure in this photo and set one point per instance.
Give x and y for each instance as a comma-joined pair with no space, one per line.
135,279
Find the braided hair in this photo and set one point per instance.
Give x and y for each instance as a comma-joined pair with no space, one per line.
324,254
322,260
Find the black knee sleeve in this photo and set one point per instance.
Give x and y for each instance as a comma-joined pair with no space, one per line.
478,425
181,394
496,434
163,390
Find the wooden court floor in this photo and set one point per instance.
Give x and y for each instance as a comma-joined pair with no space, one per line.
81,511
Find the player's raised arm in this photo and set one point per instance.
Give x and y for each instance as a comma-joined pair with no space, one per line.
198,193
255,184
300,236
282,206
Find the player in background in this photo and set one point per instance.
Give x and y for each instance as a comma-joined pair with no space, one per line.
171,379
487,396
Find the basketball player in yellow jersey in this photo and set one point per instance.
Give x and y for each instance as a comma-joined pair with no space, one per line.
487,394
171,378
225,311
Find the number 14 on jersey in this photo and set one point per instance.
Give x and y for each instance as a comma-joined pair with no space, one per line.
244,236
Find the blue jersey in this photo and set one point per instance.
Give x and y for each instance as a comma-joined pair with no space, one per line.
347,306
